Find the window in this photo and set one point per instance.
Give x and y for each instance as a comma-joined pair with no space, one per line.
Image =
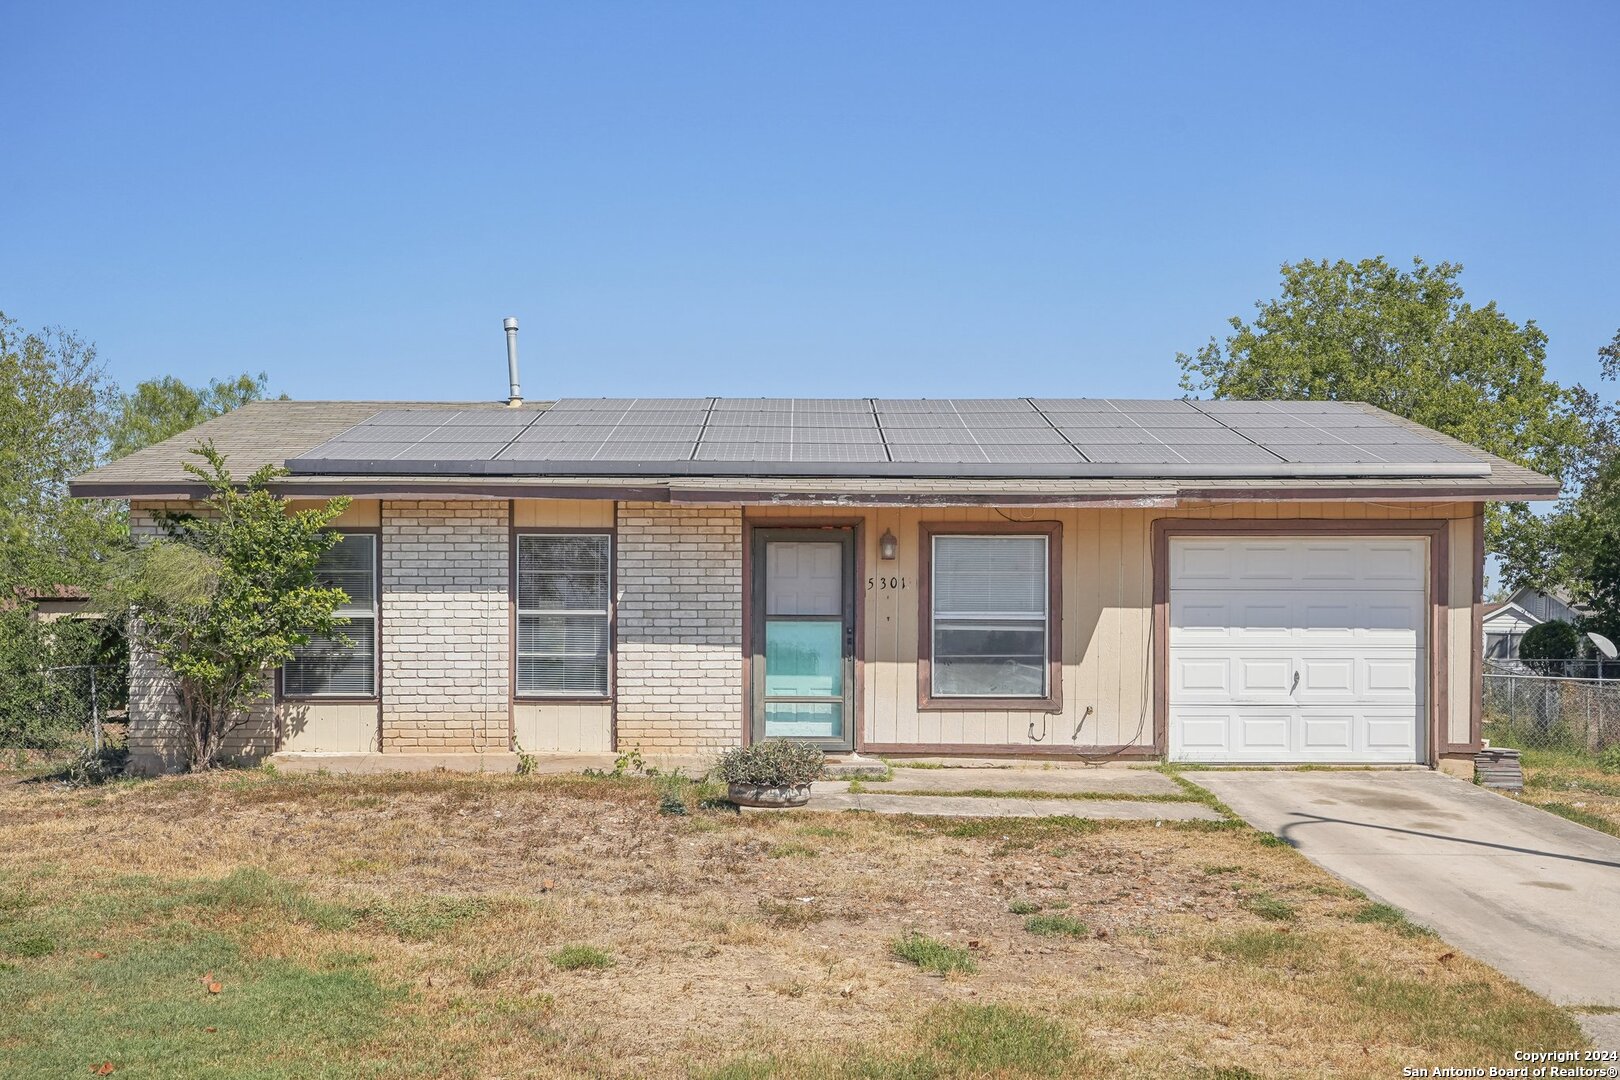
563,591
989,620
343,663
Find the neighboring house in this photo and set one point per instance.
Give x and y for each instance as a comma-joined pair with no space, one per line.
1204,581
51,603
1505,622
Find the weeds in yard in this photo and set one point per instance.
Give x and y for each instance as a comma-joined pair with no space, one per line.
1263,948
580,958
1581,816
793,851
1271,907
1023,907
791,913
1392,917
933,955
1053,925
998,1040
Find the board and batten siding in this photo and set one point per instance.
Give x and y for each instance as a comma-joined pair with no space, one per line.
1107,597
562,726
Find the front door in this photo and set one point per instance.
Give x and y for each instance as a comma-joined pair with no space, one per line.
803,646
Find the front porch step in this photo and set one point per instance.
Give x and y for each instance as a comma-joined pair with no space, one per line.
855,769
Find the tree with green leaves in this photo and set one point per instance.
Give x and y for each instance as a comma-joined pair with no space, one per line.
1406,341
1577,547
1547,646
159,408
226,596
54,401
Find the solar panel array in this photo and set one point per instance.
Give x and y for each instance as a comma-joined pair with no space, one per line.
890,436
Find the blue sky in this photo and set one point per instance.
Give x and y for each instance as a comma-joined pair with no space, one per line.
838,199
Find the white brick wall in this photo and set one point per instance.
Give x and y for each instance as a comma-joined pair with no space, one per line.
678,678
445,653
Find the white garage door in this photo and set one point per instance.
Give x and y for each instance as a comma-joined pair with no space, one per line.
1297,650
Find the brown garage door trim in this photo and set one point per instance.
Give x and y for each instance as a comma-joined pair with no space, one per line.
1435,531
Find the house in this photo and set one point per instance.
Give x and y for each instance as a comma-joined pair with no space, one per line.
1505,622
1220,581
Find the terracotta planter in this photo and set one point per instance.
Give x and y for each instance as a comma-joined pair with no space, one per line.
770,795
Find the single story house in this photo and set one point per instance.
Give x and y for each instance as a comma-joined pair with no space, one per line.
1216,581
1506,621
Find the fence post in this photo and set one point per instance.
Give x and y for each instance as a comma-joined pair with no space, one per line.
95,713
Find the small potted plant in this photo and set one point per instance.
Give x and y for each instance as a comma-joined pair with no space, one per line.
776,772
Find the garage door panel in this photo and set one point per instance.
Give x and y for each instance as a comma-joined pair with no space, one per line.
1323,732
1261,678
1216,618
1291,736
1263,731
1206,678
1345,617
1326,563
1358,564
1256,676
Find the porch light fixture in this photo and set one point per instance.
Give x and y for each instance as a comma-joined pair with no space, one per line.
888,546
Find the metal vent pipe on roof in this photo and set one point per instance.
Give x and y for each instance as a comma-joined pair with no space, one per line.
515,398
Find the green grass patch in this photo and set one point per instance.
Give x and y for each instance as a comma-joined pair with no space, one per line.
424,918
1498,1019
1263,948
1580,816
933,955
793,851
1270,907
144,1009
1392,917
997,1040
956,1040
1054,925
581,958
1023,907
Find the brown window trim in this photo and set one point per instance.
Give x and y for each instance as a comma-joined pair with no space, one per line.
926,699
280,694
612,534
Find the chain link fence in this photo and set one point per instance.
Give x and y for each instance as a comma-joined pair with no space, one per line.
1547,712
54,706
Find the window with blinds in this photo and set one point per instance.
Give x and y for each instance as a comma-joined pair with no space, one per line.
989,620
344,662
564,581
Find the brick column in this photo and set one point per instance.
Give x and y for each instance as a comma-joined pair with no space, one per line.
678,674
445,654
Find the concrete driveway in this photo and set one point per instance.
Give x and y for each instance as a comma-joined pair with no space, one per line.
1527,892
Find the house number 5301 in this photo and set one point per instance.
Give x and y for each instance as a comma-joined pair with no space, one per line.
885,583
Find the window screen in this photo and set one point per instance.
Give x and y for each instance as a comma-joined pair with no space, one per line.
343,663
563,585
989,628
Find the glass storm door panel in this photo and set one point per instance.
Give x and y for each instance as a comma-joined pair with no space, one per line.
803,635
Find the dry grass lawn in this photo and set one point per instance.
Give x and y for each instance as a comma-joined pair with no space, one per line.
1572,785
516,926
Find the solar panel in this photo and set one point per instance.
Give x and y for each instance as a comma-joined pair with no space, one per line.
883,436
937,452
1116,453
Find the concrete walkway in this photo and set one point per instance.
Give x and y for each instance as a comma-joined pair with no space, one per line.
1031,792
1521,889
502,762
